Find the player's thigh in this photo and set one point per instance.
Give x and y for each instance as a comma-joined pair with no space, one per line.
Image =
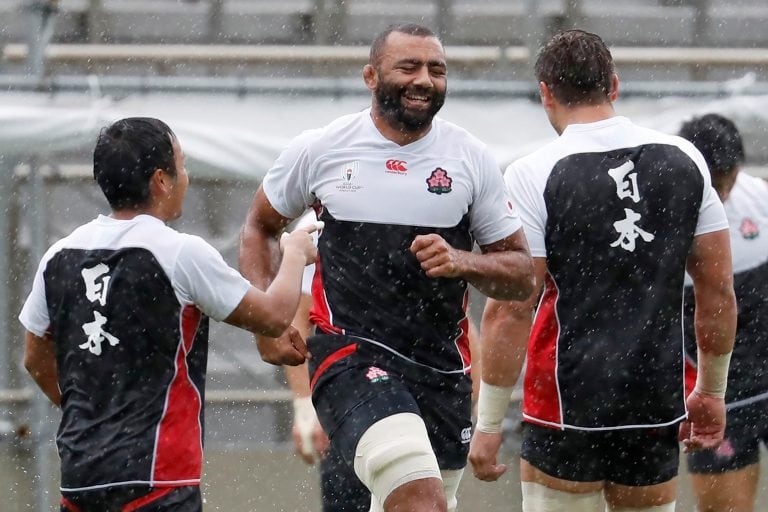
730,491
353,399
651,497
446,408
340,489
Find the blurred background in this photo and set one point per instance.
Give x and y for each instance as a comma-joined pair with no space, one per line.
236,80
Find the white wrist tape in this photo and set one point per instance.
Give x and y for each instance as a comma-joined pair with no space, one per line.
492,404
712,373
304,418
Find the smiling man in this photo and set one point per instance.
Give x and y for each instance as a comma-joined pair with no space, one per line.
404,196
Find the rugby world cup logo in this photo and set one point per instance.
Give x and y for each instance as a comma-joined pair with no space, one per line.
349,174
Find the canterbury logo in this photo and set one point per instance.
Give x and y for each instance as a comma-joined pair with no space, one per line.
396,165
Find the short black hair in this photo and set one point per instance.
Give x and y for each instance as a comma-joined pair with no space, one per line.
718,139
577,67
127,154
411,29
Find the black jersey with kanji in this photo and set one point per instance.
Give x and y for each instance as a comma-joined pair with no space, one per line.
125,302
614,209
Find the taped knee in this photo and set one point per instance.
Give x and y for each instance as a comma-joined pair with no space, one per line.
540,498
392,452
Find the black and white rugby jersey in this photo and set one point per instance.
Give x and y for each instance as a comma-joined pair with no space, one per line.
614,209
126,302
375,197
747,212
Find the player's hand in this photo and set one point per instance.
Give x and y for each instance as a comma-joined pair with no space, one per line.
289,349
436,256
705,425
300,240
309,439
482,456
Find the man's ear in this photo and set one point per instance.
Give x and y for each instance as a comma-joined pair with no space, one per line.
370,77
614,94
545,93
160,183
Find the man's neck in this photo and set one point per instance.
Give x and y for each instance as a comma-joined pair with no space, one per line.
128,214
395,131
583,114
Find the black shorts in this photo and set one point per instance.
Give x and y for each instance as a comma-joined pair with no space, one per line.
340,489
636,457
745,428
366,386
134,498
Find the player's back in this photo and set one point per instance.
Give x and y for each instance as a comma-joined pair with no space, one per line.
622,208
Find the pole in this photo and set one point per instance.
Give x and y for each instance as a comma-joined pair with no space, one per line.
42,16
42,434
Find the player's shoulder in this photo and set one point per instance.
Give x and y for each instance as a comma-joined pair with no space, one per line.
336,132
455,136
752,183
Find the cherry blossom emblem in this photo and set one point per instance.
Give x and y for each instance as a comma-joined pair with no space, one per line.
375,374
439,182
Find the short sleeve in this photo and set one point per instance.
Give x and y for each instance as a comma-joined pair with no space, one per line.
711,212
286,184
34,313
202,277
492,217
526,199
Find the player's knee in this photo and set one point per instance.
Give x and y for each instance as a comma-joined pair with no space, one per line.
540,498
667,507
392,452
451,480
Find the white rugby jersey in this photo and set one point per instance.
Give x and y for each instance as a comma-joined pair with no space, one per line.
747,212
125,303
614,208
375,197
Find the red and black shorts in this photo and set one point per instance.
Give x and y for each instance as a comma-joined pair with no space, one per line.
746,429
134,499
633,457
366,385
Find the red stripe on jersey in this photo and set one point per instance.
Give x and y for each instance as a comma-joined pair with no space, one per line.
68,505
462,343
690,373
146,499
541,395
320,314
179,452
328,361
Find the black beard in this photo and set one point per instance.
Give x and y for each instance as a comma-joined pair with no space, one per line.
389,99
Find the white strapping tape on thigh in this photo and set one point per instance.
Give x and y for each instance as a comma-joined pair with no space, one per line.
540,498
451,481
392,452
667,507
